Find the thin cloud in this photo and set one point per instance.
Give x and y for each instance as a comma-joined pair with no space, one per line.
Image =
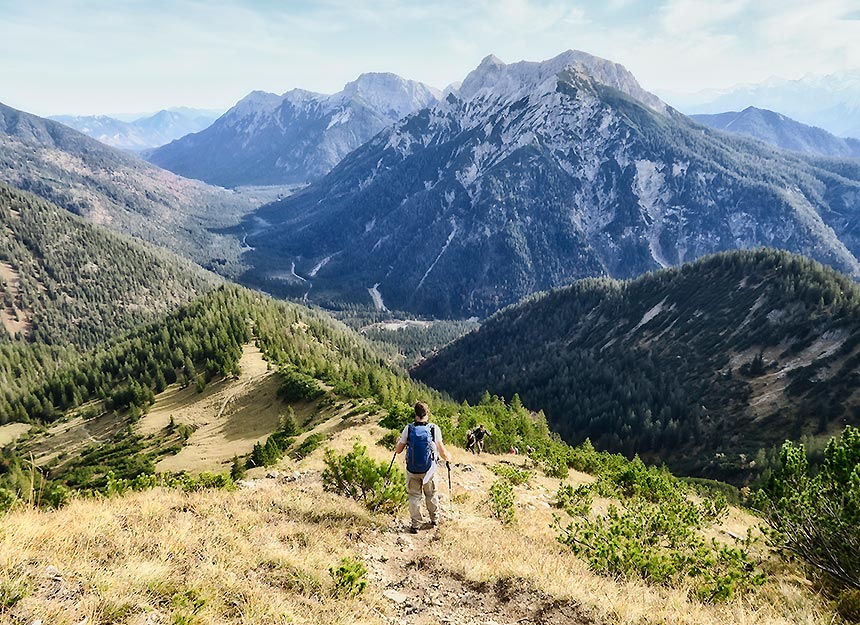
96,56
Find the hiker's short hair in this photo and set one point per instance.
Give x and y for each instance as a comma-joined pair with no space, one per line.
422,410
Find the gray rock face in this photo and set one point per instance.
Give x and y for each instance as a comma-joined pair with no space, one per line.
531,175
294,137
782,132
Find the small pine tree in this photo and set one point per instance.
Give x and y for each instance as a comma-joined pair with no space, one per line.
258,456
271,452
237,470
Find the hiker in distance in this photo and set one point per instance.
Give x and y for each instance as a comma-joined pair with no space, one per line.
480,432
423,442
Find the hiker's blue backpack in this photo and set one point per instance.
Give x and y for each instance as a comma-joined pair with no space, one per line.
419,450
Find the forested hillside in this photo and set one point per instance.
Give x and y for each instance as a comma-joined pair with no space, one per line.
66,285
117,190
206,338
317,360
706,367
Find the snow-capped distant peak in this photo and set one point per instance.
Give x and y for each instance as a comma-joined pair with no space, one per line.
302,96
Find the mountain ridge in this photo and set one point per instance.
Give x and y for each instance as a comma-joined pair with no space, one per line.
462,208
781,131
294,137
144,133
118,190
707,367
829,102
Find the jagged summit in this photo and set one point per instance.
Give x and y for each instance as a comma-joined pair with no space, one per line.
294,137
494,77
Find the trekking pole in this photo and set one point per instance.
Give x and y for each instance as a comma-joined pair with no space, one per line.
450,489
387,473
448,464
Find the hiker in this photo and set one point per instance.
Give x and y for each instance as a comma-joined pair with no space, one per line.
480,432
423,440
470,441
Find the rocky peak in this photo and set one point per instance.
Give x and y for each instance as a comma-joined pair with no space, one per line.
389,93
494,77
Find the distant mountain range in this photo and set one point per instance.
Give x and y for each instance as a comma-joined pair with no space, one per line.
830,102
117,190
295,137
707,367
781,131
532,175
144,133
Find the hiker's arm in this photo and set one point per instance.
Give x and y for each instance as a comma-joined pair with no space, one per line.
401,442
443,453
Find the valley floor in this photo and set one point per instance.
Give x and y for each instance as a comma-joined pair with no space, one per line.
262,554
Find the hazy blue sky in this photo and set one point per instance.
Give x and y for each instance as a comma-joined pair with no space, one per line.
79,56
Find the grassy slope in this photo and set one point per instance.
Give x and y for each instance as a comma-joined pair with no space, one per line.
261,555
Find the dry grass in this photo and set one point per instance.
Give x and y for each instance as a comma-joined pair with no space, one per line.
261,555
255,556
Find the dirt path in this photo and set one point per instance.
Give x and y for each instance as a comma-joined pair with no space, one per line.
422,590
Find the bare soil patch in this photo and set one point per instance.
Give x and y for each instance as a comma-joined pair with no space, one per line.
14,320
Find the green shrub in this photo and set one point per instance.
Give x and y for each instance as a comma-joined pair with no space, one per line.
11,592
350,578
298,386
502,501
237,469
817,518
514,475
389,440
848,605
307,446
399,416
360,477
714,488
7,499
576,501
206,481
182,481
655,536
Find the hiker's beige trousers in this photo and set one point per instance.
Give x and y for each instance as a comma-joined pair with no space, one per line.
415,489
